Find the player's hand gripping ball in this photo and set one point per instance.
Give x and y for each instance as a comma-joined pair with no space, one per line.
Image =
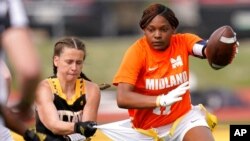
222,47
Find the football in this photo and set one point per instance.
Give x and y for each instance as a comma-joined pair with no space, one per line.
221,47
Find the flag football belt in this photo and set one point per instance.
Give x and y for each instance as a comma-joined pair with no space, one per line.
210,119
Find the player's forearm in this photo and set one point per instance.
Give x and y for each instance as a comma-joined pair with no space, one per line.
28,88
28,70
24,107
89,114
62,128
135,100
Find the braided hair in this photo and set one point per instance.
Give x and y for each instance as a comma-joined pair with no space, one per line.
158,9
69,42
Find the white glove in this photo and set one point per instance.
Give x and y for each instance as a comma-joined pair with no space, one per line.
173,96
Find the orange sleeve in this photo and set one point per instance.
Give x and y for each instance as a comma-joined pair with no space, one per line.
191,39
130,65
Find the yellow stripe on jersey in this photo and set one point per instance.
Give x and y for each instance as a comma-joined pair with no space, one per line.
175,124
150,132
57,89
211,119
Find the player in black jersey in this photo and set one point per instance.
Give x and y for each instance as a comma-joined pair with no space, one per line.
68,102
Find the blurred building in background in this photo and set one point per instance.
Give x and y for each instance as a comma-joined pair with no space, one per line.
121,17
232,12
86,17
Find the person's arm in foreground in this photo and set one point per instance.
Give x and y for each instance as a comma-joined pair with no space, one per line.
12,121
24,58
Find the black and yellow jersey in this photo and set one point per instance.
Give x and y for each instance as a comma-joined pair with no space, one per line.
69,110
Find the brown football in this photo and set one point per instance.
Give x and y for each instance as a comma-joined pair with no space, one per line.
221,47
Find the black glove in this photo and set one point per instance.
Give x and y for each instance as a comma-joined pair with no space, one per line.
85,128
32,135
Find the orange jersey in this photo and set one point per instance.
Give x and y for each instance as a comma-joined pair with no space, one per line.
154,72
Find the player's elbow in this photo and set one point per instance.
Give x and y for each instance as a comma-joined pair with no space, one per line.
121,101
124,97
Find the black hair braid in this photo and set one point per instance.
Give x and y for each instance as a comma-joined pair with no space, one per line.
82,75
54,69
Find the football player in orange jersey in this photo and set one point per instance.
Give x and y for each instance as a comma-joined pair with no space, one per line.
153,84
